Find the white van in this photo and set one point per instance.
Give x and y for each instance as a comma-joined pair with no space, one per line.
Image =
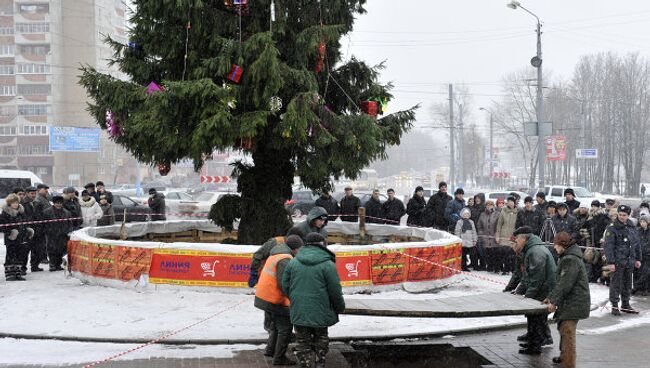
12,179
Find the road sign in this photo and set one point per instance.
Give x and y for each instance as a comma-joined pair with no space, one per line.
215,179
501,175
588,153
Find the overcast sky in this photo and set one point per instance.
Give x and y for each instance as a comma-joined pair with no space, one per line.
430,43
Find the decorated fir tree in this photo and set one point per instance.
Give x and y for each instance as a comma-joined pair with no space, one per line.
261,76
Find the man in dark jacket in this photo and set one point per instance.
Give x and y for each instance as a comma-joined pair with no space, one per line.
393,208
478,207
374,210
438,203
452,212
529,217
57,232
314,288
542,204
101,190
91,189
315,223
570,299
30,215
71,203
329,204
623,253
535,278
564,221
39,242
270,298
350,206
415,208
571,202
156,202
16,236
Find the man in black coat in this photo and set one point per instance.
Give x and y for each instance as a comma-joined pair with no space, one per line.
30,215
415,208
374,210
71,203
571,202
39,242
542,204
530,217
101,190
350,206
393,209
329,204
156,202
57,229
437,203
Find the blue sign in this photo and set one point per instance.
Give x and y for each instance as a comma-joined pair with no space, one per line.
587,153
73,139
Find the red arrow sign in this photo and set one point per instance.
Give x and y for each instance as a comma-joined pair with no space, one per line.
215,179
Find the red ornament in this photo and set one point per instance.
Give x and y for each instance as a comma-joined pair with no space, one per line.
164,168
321,57
370,107
245,143
235,73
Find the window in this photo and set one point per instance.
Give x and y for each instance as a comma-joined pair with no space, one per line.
32,68
32,110
34,8
41,27
7,110
172,195
34,130
7,185
7,90
185,196
34,49
34,89
7,130
34,149
42,171
7,50
8,151
557,192
6,70
6,30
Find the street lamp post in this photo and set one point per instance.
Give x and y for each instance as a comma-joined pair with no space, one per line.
491,162
537,63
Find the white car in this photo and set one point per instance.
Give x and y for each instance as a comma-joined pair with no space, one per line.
173,200
202,202
583,195
504,195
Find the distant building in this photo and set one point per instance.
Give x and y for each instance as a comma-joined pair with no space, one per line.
42,45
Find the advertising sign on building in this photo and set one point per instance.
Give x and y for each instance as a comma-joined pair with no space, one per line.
74,139
556,148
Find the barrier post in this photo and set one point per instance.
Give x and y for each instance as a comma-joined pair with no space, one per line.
362,222
123,234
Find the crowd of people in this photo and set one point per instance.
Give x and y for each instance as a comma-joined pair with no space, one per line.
36,224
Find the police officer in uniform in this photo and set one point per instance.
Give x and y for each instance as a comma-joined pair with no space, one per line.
623,252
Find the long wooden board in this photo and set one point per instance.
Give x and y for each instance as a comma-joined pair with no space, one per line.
482,305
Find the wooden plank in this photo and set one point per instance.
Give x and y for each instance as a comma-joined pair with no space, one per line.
482,305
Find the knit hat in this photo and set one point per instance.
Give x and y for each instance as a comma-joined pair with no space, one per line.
500,201
645,218
12,198
294,242
465,211
315,239
459,191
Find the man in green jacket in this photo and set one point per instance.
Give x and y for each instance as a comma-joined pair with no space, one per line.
570,299
314,289
534,278
315,223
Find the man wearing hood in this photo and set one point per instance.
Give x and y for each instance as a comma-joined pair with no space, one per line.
623,253
571,202
16,236
452,212
438,203
374,211
393,208
535,279
329,204
315,223
415,208
314,289
156,202
270,298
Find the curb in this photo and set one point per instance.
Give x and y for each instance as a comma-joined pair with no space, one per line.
253,341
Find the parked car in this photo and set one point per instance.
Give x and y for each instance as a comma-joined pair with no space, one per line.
173,198
201,203
583,195
363,197
504,195
135,212
301,202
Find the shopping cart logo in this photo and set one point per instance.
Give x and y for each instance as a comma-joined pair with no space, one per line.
353,269
209,269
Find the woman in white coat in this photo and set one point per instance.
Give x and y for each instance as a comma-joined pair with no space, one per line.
90,210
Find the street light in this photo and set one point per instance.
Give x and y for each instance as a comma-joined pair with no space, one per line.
537,63
491,144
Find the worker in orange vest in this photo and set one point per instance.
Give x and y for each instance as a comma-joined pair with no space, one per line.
275,304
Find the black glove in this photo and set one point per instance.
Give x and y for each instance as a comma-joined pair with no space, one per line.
253,278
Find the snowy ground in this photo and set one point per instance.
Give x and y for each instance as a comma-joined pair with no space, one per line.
51,304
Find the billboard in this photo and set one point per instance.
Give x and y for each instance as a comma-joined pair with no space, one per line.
74,139
556,148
